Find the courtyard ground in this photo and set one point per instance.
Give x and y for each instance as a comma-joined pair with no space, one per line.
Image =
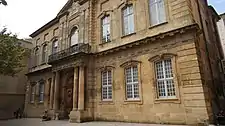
38,122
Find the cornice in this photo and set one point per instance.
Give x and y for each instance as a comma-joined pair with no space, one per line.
182,30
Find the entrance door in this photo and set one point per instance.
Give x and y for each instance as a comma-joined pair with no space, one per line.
69,94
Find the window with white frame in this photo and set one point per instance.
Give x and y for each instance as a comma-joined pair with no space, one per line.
107,85
128,20
106,29
41,92
32,96
164,77
157,12
54,46
132,84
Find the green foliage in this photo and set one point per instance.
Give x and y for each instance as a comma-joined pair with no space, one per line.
3,2
11,54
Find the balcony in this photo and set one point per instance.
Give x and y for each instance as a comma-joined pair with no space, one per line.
73,50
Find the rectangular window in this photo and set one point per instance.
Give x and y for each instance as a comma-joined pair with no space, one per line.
41,92
128,20
106,29
107,85
132,84
157,12
164,76
32,96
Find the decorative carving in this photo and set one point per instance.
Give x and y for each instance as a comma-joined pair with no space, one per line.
161,56
129,63
75,8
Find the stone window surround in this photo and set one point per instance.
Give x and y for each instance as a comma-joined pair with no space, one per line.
100,17
173,58
148,14
122,7
125,65
72,29
102,69
102,86
36,92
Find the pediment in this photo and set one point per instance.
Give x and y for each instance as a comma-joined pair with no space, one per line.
71,6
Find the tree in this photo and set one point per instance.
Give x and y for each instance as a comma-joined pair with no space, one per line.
3,2
11,54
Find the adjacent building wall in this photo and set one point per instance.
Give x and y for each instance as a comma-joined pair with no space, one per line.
12,89
221,29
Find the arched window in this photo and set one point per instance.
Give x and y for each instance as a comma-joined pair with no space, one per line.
55,46
74,36
44,53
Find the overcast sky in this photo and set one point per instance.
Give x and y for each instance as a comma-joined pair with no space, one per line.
25,16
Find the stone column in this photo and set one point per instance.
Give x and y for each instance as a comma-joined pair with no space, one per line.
77,115
56,92
81,89
75,90
52,91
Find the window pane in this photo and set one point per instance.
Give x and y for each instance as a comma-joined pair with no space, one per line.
131,24
129,91
104,93
41,92
110,92
170,87
168,68
159,70
157,12
161,13
104,78
135,74
128,20
161,88
106,85
165,82
128,75
106,29
136,90
74,37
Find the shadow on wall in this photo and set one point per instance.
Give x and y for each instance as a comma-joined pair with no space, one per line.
9,104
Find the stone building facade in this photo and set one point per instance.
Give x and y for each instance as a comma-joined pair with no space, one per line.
153,61
221,29
12,89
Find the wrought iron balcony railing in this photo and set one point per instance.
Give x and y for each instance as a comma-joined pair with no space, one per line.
73,50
